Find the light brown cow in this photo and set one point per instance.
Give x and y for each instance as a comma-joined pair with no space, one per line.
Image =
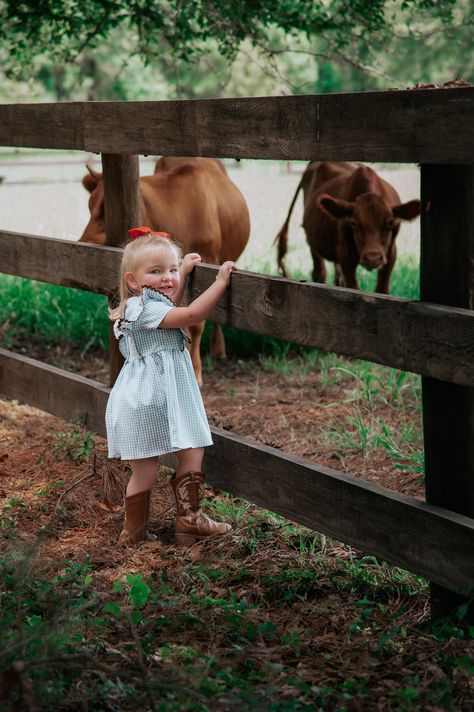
195,201
351,216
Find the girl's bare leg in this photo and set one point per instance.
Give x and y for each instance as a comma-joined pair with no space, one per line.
143,475
189,460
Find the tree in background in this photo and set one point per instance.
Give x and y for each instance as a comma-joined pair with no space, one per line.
131,49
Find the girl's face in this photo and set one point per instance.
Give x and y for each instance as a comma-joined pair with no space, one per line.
159,269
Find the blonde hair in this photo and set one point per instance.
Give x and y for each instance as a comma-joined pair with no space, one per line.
133,255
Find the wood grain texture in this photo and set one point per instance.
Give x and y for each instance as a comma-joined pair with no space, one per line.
121,196
121,175
66,263
447,276
415,336
58,392
398,126
429,541
401,333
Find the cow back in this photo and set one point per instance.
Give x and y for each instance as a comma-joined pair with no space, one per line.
193,199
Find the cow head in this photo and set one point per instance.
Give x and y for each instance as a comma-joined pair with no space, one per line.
95,228
373,223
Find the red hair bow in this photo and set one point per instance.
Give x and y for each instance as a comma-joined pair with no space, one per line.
140,231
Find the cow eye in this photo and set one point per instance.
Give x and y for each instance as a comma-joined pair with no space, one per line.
390,223
353,223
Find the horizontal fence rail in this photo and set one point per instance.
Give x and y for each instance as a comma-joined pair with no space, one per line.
427,540
429,339
430,126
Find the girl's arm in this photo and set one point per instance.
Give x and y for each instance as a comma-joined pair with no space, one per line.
201,307
187,265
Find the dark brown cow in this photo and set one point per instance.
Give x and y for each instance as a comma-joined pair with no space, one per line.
351,216
195,201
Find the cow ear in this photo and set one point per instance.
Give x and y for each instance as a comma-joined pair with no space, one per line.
407,211
335,207
91,180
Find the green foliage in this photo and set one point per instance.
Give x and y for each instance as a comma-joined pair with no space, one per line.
77,445
128,50
196,635
63,28
404,447
138,590
10,509
365,433
46,313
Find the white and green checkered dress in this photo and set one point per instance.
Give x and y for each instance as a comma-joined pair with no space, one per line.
155,406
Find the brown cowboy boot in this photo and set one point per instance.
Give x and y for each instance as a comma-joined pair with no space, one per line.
137,511
191,523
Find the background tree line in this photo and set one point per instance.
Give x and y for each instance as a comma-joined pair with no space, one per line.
164,49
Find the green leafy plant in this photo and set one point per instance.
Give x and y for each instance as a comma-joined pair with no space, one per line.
138,590
401,448
76,445
9,510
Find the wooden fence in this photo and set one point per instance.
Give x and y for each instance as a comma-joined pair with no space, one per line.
433,337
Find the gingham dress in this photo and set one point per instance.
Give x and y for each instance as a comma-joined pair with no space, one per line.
155,406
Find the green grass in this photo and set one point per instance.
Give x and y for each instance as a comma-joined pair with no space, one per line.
49,314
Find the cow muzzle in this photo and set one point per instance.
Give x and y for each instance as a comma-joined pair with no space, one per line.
373,259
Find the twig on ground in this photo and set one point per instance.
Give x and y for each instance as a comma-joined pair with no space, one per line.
80,478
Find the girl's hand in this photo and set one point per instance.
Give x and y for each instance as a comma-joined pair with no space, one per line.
189,262
225,272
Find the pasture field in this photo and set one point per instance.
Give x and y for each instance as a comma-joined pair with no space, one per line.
41,193
274,617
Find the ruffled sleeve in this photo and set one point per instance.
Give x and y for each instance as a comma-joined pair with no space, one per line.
149,308
133,309
155,307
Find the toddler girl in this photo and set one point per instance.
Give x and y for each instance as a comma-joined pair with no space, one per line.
155,406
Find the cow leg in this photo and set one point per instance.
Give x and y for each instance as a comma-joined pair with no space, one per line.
217,342
338,278
319,268
383,277
196,333
348,269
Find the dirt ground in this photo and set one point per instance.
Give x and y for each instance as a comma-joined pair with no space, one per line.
296,416
282,411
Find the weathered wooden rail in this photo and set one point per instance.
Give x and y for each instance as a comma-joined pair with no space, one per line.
396,126
429,339
433,337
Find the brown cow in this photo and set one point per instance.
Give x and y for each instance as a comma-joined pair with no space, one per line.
351,216
195,201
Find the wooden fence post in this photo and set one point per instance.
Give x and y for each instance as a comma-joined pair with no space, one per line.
122,211
447,277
